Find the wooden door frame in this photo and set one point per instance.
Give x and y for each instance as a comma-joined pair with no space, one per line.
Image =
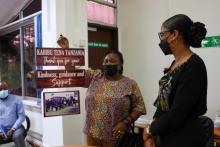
113,29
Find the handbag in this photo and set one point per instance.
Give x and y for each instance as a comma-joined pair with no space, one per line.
130,139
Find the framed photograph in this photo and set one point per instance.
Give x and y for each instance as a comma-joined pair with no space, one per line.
61,103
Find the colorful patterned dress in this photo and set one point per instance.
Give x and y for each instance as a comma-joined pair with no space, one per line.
109,102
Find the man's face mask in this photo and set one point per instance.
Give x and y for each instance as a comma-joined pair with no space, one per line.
3,94
110,70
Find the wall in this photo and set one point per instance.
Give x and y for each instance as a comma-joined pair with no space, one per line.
139,22
34,113
70,19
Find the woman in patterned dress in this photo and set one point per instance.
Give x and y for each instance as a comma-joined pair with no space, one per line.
113,102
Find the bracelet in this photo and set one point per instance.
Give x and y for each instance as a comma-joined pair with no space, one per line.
128,120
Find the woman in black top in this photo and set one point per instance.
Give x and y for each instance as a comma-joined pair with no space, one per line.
183,88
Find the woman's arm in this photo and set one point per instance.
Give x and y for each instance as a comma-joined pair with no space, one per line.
89,75
137,104
137,109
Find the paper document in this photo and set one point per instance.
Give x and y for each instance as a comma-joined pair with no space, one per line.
4,130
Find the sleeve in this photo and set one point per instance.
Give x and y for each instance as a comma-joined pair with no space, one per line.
137,103
187,94
20,114
89,75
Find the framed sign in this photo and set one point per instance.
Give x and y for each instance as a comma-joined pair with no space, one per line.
60,78
60,57
61,103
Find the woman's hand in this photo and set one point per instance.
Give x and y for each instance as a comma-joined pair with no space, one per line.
148,138
119,129
146,134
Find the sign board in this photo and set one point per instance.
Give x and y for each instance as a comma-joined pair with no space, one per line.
98,44
60,78
212,41
60,57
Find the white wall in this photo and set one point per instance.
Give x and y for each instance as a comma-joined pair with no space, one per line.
34,114
139,22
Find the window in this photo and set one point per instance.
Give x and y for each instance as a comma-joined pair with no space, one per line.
29,61
10,63
102,12
17,50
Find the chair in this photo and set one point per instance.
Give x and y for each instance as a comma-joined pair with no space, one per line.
28,124
208,126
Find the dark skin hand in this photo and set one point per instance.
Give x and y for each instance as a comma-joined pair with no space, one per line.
9,135
121,127
2,136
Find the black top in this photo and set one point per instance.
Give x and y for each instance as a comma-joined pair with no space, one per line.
182,98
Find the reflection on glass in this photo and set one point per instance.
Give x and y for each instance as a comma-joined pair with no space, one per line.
110,1
29,61
10,63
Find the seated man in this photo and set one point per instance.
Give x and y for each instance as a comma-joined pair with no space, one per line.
11,117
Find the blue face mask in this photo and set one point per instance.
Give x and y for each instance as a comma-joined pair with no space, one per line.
3,94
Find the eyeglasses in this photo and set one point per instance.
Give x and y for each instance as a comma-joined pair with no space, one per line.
161,34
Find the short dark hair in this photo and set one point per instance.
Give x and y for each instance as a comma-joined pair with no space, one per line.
120,56
192,32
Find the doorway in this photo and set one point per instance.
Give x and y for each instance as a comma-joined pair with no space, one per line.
100,41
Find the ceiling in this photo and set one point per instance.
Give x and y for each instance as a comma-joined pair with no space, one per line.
9,9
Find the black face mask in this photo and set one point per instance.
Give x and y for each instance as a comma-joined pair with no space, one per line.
110,70
164,45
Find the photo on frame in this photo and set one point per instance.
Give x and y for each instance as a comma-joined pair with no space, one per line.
61,103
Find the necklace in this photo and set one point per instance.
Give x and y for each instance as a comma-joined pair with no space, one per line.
181,61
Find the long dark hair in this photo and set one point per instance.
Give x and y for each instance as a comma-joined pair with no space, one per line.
120,56
192,32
